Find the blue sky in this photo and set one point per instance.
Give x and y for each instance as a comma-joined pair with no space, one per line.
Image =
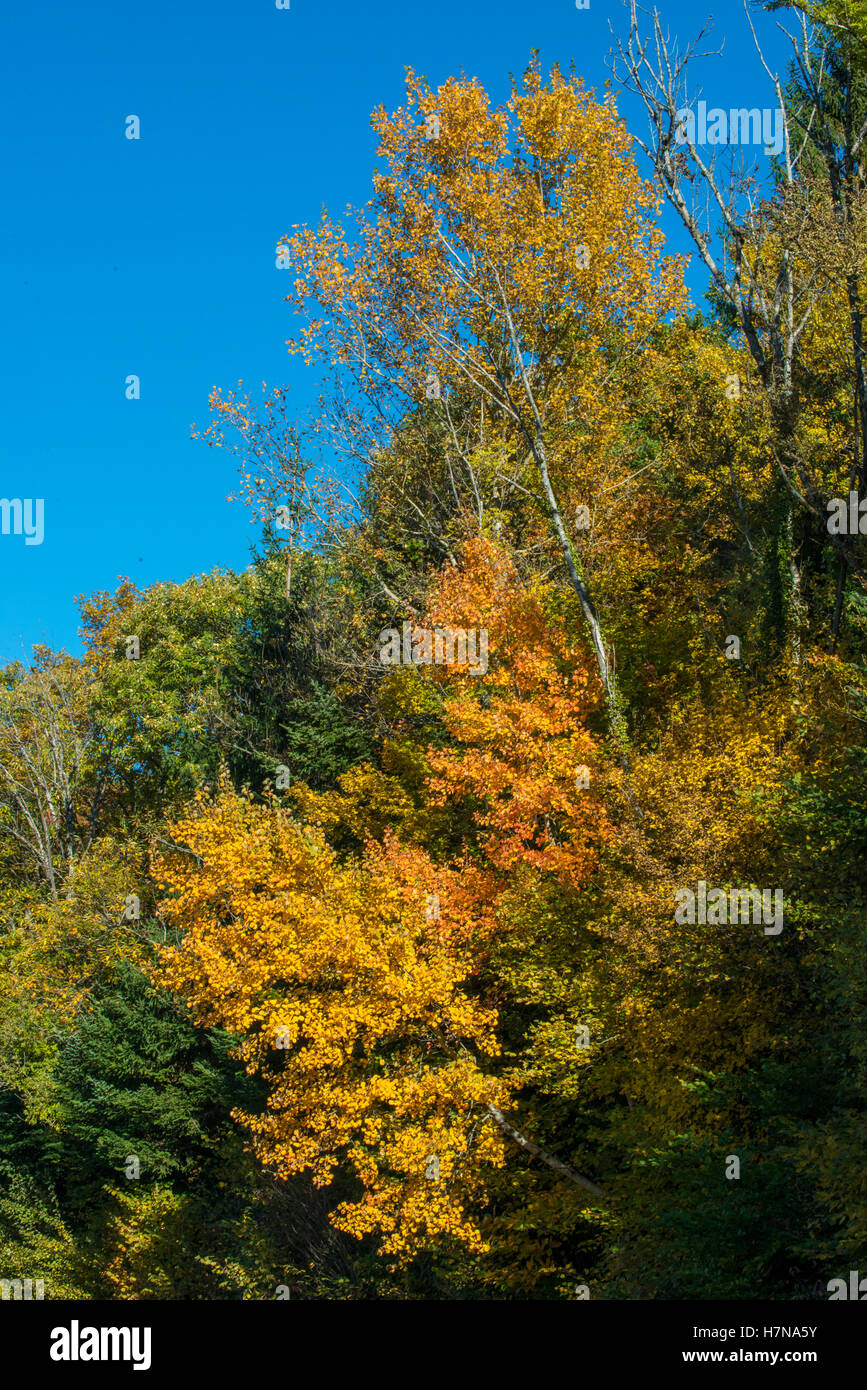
156,257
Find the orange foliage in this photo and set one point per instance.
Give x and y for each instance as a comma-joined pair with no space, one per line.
520,729
350,998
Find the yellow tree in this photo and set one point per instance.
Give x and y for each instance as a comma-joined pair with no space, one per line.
351,997
508,268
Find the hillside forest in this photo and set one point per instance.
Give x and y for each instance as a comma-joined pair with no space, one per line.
467,899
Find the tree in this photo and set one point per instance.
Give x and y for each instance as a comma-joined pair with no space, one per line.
511,260
350,1003
761,270
49,809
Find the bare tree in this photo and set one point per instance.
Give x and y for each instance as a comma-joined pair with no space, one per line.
752,254
48,808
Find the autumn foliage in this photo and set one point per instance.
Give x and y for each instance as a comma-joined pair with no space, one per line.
404,1008
354,1006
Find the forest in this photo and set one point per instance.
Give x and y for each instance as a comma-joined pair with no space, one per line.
468,900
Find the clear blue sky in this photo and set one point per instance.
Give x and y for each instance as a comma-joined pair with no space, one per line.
156,256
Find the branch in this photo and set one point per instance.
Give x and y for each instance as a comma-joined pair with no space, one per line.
562,1168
